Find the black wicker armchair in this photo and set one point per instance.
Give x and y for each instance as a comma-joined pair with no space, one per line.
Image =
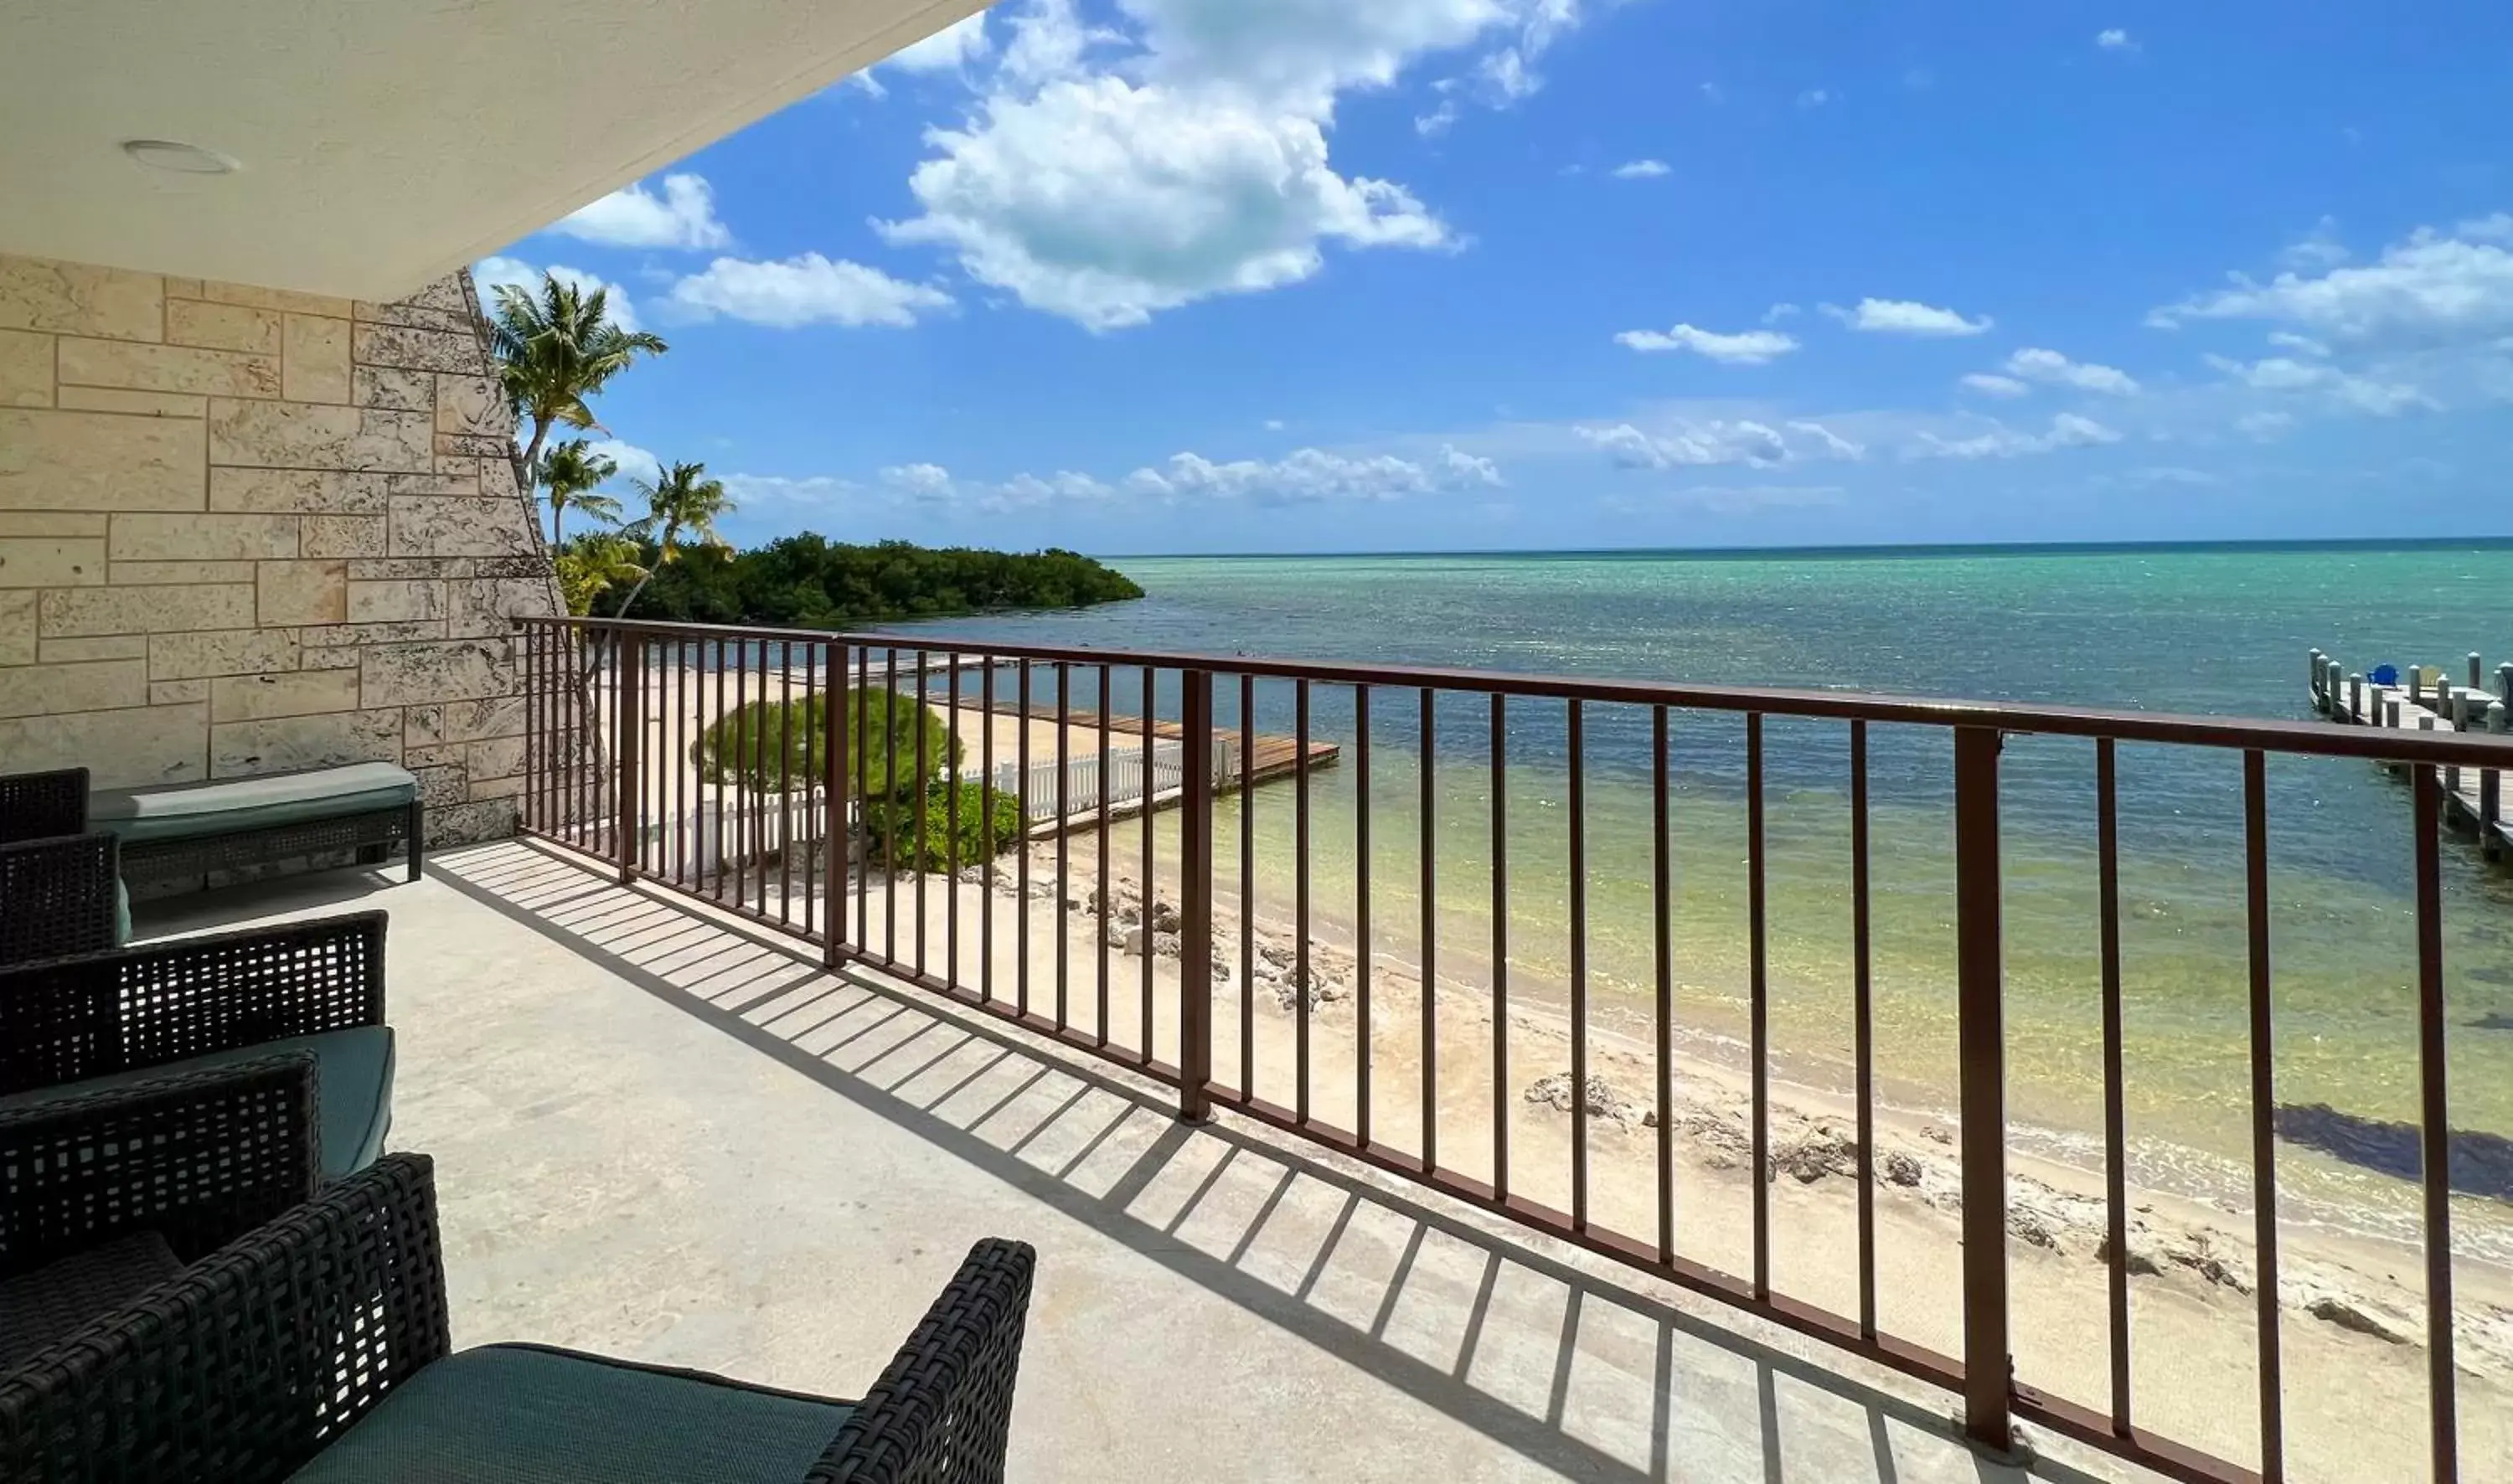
106,1194
58,894
40,805
316,1349
96,1020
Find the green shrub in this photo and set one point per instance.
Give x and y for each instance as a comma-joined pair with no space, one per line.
745,746
889,827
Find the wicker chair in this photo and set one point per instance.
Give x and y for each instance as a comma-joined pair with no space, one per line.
316,1349
98,1019
106,1194
58,894
40,805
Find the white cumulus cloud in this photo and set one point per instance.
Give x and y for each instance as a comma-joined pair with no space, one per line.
1110,174
1750,348
2051,369
809,289
2432,288
2344,389
1906,317
682,217
2114,39
1989,385
1711,443
1313,473
954,45
1640,170
2069,430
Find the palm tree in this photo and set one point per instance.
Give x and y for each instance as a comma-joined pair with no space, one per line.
593,566
571,472
557,349
683,505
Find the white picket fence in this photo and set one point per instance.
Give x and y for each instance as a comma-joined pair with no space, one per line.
1127,783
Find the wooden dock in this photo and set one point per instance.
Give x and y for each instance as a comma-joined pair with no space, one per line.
1275,756
2477,799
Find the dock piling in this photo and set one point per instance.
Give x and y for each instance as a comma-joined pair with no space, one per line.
2477,672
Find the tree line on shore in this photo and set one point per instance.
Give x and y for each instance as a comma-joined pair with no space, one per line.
556,347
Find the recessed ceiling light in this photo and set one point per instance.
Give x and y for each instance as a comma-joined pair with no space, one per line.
181,159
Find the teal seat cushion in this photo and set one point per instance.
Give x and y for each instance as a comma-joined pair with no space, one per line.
520,1414
237,804
353,1074
121,913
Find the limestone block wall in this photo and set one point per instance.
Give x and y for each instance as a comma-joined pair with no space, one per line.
245,530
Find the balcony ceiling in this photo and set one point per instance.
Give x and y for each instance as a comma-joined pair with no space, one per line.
381,145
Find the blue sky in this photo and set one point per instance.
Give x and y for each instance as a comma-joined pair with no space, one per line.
1212,275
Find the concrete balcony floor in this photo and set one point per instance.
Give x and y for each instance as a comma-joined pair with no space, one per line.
664,1135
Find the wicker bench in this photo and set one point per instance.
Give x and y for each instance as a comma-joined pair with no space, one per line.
315,1350
194,829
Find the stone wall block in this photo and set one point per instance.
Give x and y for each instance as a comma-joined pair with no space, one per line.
26,369
262,697
232,651
314,359
390,386
120,749
293,492
284,744
435,350
222,327
78,298
491,605
202,538
168,369
68,461
68,612
44,690
50,561
462,669
176,573
18,628
114,399
343,535
292,593
72,651
425,527
289,300
305,435
467,721
392,601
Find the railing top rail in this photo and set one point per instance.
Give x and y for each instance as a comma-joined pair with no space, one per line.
2304,738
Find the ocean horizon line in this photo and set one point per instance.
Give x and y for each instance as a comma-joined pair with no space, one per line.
1856,551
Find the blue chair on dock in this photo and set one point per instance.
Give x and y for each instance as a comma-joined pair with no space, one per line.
2385,675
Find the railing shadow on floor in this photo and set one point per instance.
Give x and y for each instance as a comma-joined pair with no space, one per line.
1222,1205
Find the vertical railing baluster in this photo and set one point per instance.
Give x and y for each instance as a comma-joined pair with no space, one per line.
1064,839
1099,822
986,844
1502,1102
837,836
2434,1142
738,752
1662,937
1981,1060
951,821
1195,895
1578,825
683,651
859,712
1862,1026
1429,809
1151,871
1758,1006
632,733
923,855
787,715
890,805
1361,913
1247,886
2115,1112
1302,989
1020,913
2255,871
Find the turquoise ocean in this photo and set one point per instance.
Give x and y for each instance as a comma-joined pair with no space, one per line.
2218,629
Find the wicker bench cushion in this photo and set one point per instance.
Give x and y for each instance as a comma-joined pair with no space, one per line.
521,1414
40,1307
353,1072
238,804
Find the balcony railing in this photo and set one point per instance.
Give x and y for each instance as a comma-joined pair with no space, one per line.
616,709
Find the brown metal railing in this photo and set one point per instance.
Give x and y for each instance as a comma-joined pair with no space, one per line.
620,770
